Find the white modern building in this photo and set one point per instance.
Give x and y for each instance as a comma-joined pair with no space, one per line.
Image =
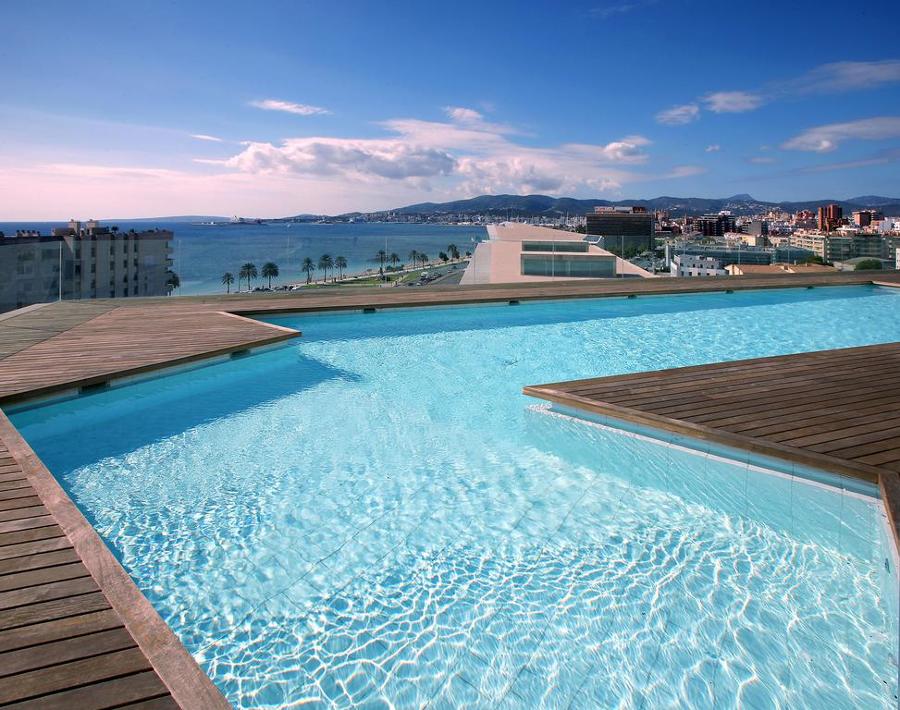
688,265
521,253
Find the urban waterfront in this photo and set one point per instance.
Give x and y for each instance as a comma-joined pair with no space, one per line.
202,253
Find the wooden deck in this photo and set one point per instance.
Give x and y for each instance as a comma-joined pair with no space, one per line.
74,629
838,410
75,632
76,344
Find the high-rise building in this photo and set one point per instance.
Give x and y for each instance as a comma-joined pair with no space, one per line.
83,261
715,225
864,218
624,229
829,217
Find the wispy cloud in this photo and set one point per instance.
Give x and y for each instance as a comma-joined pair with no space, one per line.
884,157
848,76
713,148
289,107
679,115
761,159
823,139
604,12
732,101
833,78
205,137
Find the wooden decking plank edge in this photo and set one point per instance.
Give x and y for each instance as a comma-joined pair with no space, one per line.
177,669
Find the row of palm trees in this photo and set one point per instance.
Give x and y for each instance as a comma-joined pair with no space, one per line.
327,262
248,271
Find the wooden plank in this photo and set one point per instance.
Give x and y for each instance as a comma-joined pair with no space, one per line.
41,633
64,589
117,692
51,610
44,559
31,578
65,650
42,533
26,549
71,675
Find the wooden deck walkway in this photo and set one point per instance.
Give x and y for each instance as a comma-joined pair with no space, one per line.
68,344
838,410
75,631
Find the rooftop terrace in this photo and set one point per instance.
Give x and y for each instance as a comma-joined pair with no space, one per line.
76,631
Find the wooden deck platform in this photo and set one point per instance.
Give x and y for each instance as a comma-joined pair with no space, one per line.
75,631
74,344
837,410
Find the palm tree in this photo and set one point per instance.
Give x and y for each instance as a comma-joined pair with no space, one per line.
308,265
394,258
423,258
248,271
414,257
453,251
325,263
381,256
228,279
172,281
270,271
443,256
341,263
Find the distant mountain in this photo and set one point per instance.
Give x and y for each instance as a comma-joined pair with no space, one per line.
176,218
544,205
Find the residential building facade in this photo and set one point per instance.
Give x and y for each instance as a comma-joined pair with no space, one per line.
83,261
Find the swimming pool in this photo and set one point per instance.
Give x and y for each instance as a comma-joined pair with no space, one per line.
374,514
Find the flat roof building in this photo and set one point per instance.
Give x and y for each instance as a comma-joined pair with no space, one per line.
517,253
83,261
624,229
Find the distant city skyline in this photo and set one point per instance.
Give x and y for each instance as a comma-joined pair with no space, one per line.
275,108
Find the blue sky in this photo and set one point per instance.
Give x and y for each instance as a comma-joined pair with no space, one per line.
272,108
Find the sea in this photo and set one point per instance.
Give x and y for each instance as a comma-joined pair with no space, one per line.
202,253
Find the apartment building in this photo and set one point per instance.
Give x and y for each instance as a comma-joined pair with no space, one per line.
624,229
83,260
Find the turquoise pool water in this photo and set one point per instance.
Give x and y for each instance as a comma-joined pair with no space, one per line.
374,515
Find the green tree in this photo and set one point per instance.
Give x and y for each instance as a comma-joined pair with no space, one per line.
394,258
308,265
173,282
341,263
248,271
423,257
443,257
453,251
867,265
270,271
325,263
380,256
228,279
414,257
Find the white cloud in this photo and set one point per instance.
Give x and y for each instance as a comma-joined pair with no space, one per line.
604,12
465,154
680,171
713,148
205,137
823,139
848,76
463,115
679,115
732,101
289,107
761,159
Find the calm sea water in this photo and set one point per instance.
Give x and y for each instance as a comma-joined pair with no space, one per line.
375,516
202,253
